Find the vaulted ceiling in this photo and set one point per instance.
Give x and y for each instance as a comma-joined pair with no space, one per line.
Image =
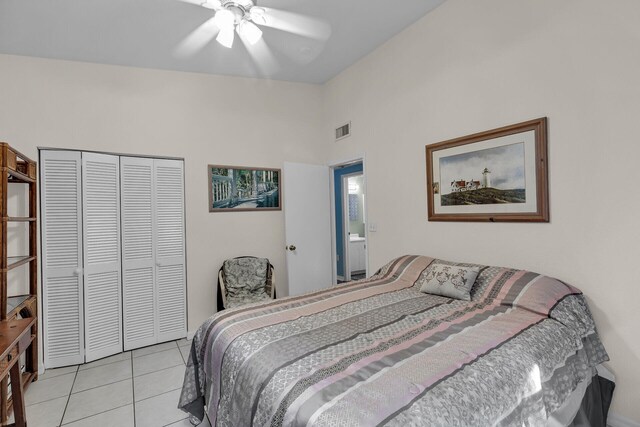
328,35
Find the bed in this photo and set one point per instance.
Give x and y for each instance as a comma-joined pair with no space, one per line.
380,352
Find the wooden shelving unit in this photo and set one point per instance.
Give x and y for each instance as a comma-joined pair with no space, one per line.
18,169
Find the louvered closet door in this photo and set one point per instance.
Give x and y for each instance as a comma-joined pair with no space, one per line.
170,250
101,235
62,289
138,262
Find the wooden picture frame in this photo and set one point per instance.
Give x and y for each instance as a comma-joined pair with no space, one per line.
499,175
240,188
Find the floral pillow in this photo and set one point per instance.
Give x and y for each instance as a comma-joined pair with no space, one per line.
450,281
245,276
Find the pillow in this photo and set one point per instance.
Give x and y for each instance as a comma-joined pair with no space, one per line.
245,276
450,281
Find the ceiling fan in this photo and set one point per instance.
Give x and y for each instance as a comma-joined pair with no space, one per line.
244,19
236,15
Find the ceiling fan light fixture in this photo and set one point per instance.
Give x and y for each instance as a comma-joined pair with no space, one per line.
225,19
249,31
226,37
257,15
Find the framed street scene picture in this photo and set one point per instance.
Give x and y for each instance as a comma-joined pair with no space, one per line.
237,188
497,175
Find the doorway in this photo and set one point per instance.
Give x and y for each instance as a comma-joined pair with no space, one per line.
349,215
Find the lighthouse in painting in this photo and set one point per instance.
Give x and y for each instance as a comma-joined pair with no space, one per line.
486,178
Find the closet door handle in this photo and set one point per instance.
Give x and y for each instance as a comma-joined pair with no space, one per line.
77,272
158,264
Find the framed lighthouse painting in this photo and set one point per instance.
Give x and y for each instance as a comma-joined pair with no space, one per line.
497,175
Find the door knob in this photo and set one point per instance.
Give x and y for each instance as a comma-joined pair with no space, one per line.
77,272
291,247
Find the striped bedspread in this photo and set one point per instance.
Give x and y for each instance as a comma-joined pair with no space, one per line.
380,352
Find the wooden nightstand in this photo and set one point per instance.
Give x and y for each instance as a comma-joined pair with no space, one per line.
15,339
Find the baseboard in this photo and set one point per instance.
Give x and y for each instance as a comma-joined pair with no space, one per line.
616,420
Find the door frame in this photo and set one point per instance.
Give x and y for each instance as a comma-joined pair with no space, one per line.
345,223
334,262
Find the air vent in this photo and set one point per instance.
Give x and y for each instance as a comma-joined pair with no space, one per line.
343,131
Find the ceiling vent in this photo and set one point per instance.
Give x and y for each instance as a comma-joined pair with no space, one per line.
343,131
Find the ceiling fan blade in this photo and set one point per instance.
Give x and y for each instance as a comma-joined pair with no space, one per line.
207,4
262,56
197,39
296,23
196,2
211,4
300,50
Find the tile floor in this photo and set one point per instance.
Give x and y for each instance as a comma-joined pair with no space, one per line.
137,388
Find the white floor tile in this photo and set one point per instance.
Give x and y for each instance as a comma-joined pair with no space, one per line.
46,414
184,342
107,360
56,372
158,382
154,348
47,389
159,410
99,399
185,351
187,423
102,375
119,417
157,361
103,391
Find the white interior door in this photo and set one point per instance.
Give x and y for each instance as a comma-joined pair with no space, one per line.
138,259
101,238
62,287
307,213
171,291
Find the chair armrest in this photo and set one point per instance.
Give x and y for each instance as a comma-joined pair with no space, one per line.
273,283
223,290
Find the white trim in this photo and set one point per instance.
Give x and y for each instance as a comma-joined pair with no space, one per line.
347,161
111,153
616,420
346,259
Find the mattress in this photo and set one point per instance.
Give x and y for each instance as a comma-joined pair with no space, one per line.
380,352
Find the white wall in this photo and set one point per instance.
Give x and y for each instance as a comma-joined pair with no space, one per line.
471,66
203,118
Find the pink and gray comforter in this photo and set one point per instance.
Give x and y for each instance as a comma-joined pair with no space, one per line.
379,352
